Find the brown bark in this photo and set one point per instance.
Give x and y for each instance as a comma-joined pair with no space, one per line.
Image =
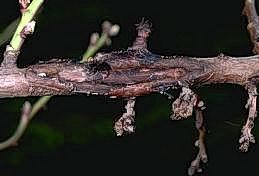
132,72
125,74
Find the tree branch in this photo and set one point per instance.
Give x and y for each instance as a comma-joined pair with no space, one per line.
124,74
28,11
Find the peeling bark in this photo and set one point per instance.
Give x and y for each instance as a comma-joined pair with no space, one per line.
129,73
124,74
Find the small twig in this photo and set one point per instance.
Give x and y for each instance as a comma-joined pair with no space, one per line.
25,27
200,143
246,136
28,113
27,16
41,102
24,121
96,42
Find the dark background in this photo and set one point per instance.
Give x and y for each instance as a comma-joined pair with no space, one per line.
73,134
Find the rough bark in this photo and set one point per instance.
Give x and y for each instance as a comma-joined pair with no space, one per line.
128,73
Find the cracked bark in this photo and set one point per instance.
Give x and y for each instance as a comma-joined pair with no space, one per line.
128,73
124,74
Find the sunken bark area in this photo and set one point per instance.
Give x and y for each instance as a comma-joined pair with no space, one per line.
128,73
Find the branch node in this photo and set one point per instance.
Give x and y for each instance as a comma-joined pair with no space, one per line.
143,29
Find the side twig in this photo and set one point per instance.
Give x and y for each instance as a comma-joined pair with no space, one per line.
28,113
25,27
24,121
28,11
247,137
200,143
97,42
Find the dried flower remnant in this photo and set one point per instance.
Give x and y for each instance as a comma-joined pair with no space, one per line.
182,107
126,123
